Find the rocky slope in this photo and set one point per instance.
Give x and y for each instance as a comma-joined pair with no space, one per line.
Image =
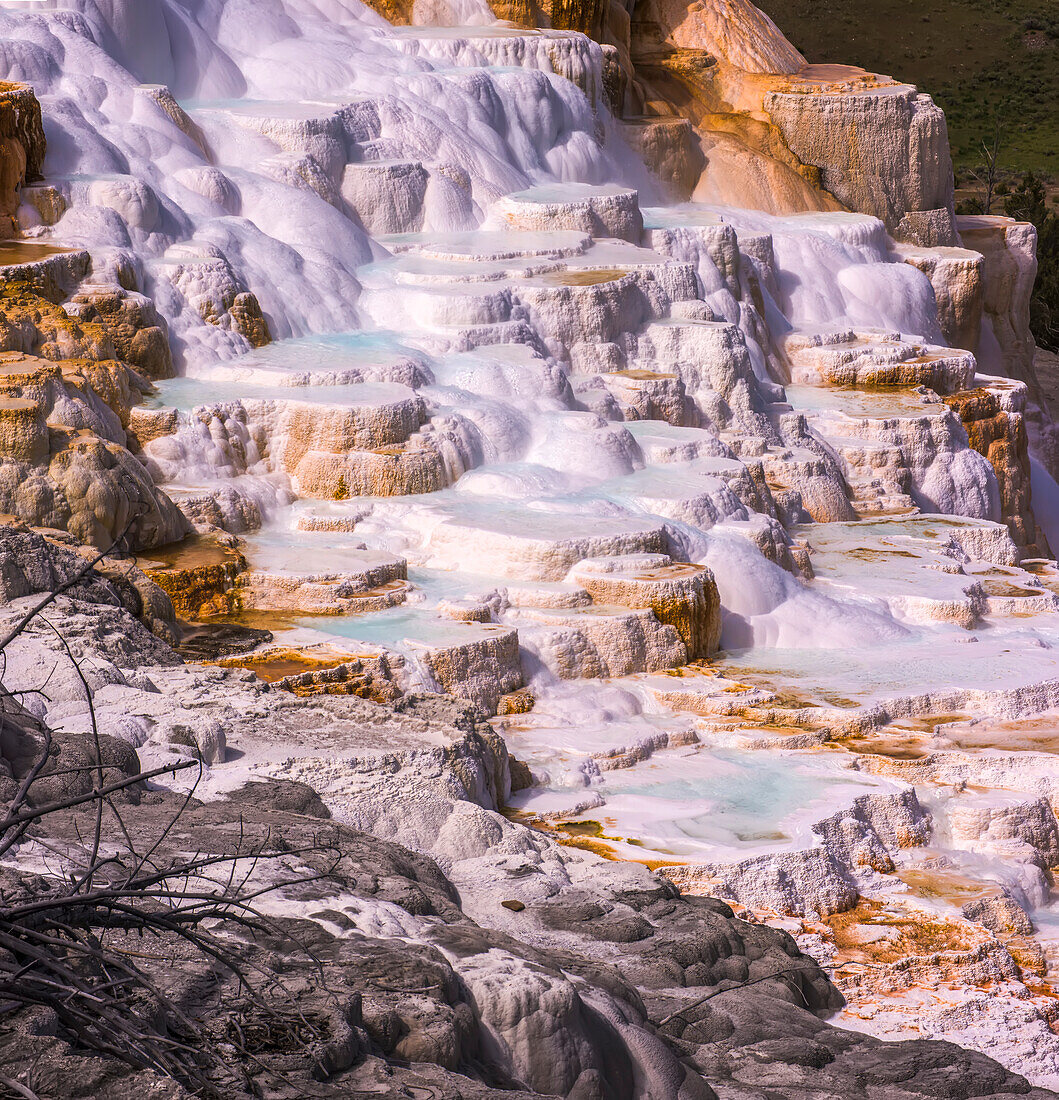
729,523
486,961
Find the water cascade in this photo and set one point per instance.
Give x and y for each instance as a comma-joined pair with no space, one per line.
420,360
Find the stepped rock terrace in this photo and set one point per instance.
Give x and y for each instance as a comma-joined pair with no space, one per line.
596,469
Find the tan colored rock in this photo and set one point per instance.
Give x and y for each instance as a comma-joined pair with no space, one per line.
22,147
517,702
364,677
877,359
1009,268
325,669
806,882
31,321
910,947
956,274
298,428
146,424
30,271
75,480
81,479
200,577
600,642
41,205
398,470
649,395
1004,823
670,149
816,489
368,581
23,430
735,30
101,492
883,152
164,99
210,286
681,595
999,913
130,320
1009,251
999,434
28,375
108,381
466,611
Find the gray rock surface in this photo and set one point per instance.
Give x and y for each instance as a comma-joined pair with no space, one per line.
412,993
435,947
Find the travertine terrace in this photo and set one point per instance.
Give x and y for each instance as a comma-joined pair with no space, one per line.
581,445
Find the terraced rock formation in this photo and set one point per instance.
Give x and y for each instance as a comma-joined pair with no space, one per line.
589,557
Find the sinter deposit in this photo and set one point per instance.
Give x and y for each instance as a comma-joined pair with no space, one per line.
575,457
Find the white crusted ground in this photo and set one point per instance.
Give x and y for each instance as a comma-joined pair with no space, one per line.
508,396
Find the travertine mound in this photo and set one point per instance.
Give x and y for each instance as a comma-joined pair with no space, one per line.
1009,253
883,152
598,211
209,286
957,276
63,460
454,941
875,359
703,506
680,595
22,147
995,427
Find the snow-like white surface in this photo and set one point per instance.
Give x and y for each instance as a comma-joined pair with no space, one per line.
574,396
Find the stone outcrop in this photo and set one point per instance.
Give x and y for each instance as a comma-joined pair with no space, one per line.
457,944
32,565
201,578
997,430
876,359
480,663
64,460
599,212
680,595
69,379
1009,269
957,276
22,147
210,287
130,320
883,152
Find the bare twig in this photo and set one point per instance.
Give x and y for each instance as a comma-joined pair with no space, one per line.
65,587
62,947
18,1088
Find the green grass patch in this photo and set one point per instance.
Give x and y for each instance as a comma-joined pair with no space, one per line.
977,58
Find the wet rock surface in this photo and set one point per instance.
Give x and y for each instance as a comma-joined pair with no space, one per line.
695,506
626,981
390,966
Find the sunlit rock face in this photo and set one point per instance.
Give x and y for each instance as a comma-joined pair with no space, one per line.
882,152
381,334
68,399
22,146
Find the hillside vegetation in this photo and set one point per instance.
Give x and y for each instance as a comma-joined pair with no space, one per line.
977,58
993,66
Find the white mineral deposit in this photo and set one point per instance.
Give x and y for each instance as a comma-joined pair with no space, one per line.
626,529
